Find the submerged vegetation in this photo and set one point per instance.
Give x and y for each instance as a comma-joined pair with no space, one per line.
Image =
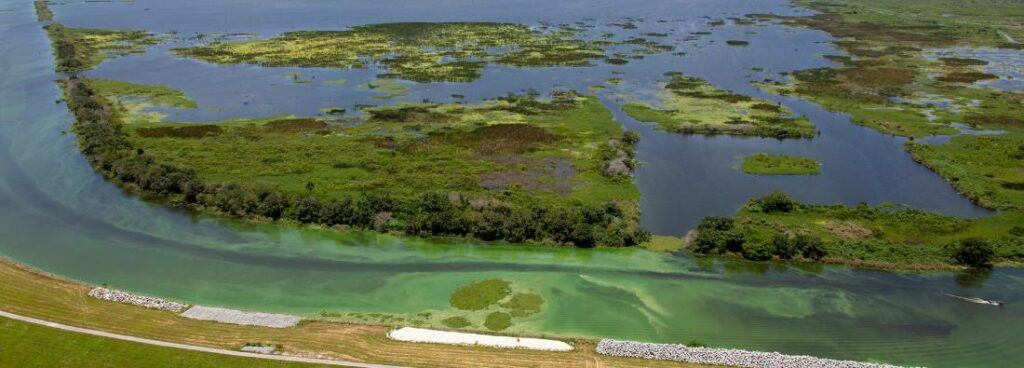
78,49
132,101
422,52
494,303
692,106
766,164
886,236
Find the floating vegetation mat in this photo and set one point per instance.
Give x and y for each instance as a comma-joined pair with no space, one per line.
691,105
422,52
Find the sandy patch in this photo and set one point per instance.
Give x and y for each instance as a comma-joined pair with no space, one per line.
410,334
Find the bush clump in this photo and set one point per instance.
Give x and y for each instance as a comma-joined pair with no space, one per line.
973,252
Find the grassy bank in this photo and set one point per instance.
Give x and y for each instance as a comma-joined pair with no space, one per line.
42,296
27,345
766,164
692,106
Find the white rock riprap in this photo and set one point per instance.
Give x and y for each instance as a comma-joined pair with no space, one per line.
259,349
238,317
139,300
728,357
411,334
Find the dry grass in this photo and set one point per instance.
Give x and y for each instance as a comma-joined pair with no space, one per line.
35,294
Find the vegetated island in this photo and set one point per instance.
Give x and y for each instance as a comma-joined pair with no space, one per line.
887,236
422,51
766,164
692,106
890,81
520,168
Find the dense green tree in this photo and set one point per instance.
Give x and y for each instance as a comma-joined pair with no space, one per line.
973,252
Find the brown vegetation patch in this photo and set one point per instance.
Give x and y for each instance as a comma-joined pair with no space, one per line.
503,138
1013,185
418,114
189,131
295,126
929,35
552,174
955,61
848,229
884,78
994,119
766,107
967,77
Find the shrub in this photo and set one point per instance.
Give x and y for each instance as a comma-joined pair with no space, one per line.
973,252
715,223
757,251
708,242
811,247
784,247
776,201
630,138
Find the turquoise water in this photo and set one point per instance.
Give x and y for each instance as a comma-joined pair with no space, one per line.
57,215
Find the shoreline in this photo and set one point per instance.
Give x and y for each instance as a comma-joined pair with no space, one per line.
426,340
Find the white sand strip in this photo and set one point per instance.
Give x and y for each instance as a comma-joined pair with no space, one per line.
410,334
238,317
139,300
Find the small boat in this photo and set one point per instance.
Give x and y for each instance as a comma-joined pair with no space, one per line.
977,300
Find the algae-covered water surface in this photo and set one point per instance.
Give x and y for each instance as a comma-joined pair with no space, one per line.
207,63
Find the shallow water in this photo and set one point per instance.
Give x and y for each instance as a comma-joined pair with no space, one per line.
56,214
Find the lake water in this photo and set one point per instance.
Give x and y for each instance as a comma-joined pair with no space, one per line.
58,215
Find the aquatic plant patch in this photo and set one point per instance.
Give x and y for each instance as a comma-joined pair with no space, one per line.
78,49
422,52
134,101
480,294
766,164
692,106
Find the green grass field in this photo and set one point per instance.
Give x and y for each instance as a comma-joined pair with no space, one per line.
28,345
